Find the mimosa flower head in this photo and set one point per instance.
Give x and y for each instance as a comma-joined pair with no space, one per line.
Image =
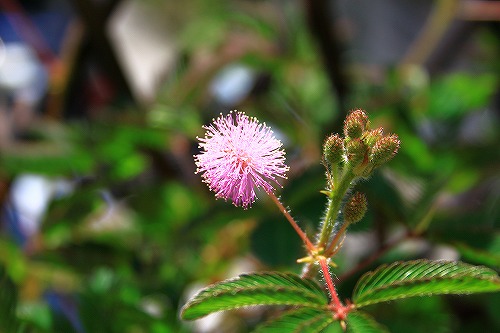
237,155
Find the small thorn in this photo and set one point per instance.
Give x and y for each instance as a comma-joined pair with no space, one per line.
303,260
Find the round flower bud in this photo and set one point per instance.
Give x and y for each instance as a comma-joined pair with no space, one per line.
372,136
333,149
355,208
355,124
356,151
384,149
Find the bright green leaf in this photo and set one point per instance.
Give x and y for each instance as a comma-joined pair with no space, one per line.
360,322
255,289
302,320
423,278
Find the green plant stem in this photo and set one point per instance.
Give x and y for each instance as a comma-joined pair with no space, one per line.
331,248
310,246
337,194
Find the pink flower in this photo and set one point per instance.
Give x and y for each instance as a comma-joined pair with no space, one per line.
239,154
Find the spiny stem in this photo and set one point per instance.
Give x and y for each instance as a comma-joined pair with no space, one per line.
340,311
337,304
310,246
338,190
329,251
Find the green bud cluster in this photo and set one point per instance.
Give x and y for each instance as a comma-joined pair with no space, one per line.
347,158
362,149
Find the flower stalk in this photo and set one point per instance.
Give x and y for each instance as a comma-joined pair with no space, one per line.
309,245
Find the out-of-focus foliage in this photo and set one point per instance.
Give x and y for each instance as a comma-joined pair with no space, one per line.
140,233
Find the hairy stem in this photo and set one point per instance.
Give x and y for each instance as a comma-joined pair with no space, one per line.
310,246
329,251
340,311
337,194
329,283
338,190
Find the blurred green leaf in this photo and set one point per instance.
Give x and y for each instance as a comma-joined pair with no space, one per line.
8,303
472,220
67,162
37,314
423,278
416,315
489,257
420,212
255,289
184,119
111,302
13,260
275,243
131,166
334,328
458,93
101,281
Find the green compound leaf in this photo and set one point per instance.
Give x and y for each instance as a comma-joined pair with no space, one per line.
302,320
360,322
255,289
423,278
307,320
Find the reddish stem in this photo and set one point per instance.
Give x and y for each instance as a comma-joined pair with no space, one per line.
337,304
310,246
330,250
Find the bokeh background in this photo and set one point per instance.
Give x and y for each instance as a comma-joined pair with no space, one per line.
105,227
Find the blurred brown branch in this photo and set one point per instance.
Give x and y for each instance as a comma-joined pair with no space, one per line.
319,18
475,10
